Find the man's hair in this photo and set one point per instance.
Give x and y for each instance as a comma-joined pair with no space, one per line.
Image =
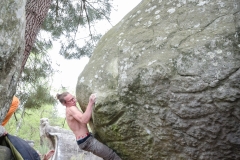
60,97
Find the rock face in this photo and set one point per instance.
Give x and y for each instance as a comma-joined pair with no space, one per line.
5,153
12,44
168,81
63,142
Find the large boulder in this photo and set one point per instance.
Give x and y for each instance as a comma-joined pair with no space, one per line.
167,79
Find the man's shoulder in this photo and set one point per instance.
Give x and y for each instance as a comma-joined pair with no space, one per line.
71,109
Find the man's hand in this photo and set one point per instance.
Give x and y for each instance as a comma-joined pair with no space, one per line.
48,155
92,98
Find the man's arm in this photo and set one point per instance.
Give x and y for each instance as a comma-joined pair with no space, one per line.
86,116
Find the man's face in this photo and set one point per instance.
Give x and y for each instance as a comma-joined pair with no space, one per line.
70,100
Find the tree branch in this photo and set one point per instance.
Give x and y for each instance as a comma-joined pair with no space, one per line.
100,13
88,20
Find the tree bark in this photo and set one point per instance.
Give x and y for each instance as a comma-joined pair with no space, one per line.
36,12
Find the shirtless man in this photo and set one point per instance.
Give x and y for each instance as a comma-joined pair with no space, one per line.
77,122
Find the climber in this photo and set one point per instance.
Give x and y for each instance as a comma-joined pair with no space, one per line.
12,109
77,122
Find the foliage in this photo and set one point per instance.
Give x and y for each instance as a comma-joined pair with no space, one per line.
72,22
34,86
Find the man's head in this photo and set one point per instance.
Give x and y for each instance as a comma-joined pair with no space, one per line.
67,99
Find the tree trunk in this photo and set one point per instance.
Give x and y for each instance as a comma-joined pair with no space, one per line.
36,12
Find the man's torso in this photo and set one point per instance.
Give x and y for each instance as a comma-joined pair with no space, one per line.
78,128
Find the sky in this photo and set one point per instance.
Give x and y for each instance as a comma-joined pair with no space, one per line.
69,70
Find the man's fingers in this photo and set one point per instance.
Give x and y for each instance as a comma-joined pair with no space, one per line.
93,97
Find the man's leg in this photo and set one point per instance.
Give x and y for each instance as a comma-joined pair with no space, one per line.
99,149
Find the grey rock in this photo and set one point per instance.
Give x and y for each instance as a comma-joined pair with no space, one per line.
167,79
12,45
2,130
5,153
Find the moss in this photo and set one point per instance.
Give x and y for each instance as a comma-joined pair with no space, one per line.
115,128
